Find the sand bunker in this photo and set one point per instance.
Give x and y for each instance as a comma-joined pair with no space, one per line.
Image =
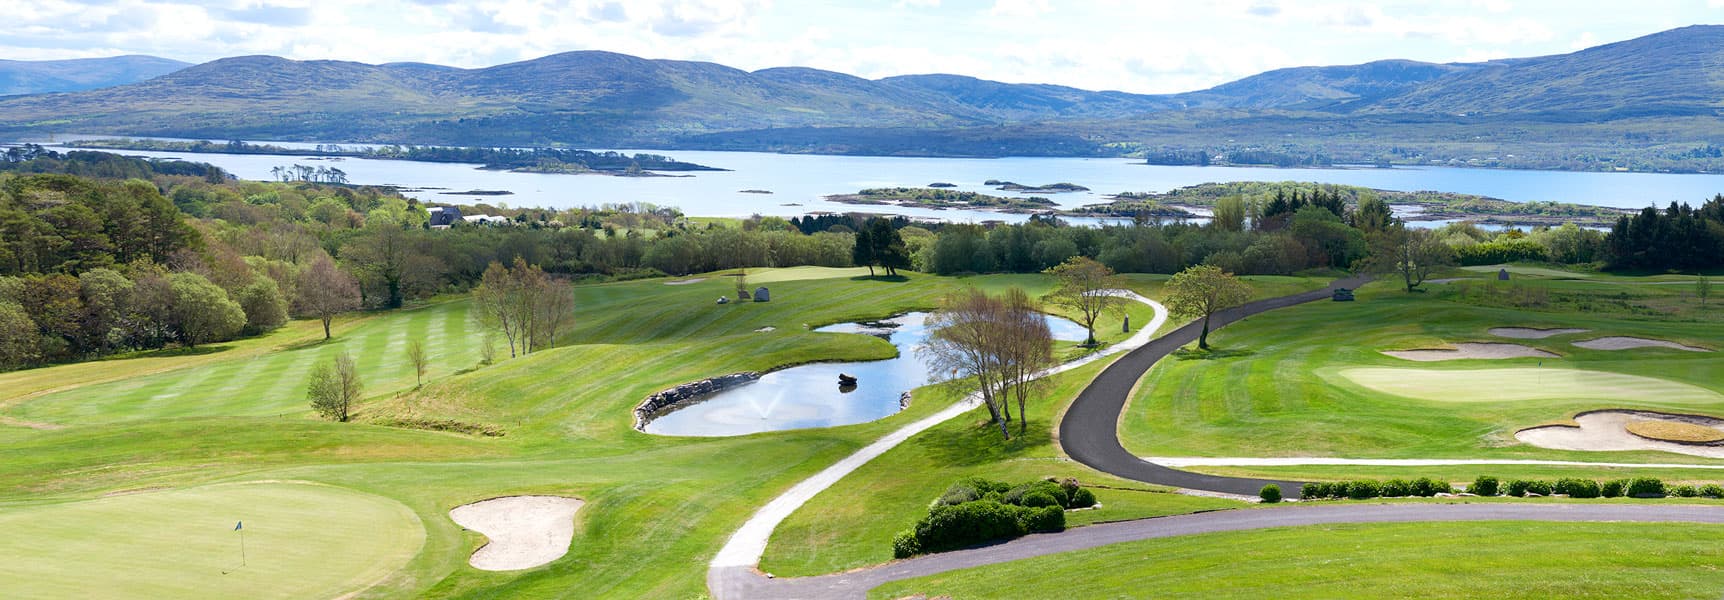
1471,350
1629,343
525,531
686,281
1529,333
766,329
1607,430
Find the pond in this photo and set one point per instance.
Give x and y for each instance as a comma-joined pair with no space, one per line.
810,396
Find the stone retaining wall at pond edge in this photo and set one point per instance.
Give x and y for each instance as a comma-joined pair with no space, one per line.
686,393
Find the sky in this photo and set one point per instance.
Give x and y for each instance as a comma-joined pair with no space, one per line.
1143,46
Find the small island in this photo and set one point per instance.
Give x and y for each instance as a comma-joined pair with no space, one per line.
754,191
1411,206
479,193
943,199
942,184
1052,188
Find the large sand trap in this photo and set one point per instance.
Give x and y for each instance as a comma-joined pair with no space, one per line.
525,531
1529,333
1606,430
686,281
1629,343
1472,350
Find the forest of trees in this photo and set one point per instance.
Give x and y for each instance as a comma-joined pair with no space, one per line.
163,253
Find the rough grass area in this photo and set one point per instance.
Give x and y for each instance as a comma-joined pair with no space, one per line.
1402,560
1671,431
301,541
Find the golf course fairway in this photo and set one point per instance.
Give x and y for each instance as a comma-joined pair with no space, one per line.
1518,384
301,540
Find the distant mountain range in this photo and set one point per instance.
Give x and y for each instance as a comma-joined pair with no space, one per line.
45,76
1651,103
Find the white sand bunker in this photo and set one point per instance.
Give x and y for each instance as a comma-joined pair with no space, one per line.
1607,430
525,531
1471,350
766,329
686,281
1530,333
1629,343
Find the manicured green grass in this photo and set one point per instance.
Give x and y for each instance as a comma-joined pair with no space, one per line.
852,524
300,541
658,507
1512,384
272,383
1277,388
1401,560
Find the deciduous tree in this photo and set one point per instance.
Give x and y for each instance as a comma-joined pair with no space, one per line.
325,291
416,357
1202,291
1084,286
334,387
203,312
999,342
1412,254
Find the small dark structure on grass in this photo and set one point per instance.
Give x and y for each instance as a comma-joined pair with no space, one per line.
1343,295
761,295
724,299
1502,274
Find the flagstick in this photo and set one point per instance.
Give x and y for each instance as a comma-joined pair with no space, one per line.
242,547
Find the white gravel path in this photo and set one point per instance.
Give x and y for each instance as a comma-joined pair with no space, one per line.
525,531
686,281
748,543
1471,350
1618,342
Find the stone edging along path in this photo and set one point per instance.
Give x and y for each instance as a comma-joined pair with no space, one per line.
744,548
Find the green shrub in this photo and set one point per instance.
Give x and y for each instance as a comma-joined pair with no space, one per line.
1395,488
1314,490
1053,490
1038,499
957,494
904,544
1577,488
1363,489
1541,488
1042,520
1614,488
1645,487
1485,485
1427,487
1684,491
983,485
948,527
1712,490
1517,487
1270,493
993,496
1083,498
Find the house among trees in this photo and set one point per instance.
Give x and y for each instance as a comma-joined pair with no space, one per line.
443,216
485,220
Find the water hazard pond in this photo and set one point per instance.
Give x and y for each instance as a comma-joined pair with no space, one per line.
809,395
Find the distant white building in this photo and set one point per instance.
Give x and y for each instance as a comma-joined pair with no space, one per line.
486,220
443,216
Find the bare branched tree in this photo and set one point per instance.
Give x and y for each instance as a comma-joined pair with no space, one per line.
1000,343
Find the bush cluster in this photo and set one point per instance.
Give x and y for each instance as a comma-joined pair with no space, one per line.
1643,487
975,510
1365,488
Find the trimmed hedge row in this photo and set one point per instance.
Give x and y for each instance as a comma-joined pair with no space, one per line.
1641,487
976,510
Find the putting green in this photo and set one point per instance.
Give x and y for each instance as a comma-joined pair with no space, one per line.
1520,384
301,541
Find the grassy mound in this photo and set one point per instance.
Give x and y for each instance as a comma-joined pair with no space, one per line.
301,541
1672,431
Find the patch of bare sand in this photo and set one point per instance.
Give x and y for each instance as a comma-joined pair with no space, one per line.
1607,430
525,531
1531,333
1471,350
1618,342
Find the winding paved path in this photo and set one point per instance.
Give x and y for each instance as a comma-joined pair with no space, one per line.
855,584
1090,431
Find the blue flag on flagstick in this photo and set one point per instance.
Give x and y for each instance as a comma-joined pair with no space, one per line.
238,525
